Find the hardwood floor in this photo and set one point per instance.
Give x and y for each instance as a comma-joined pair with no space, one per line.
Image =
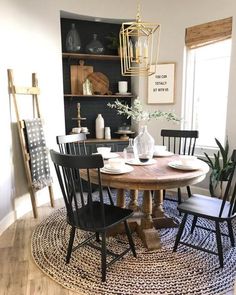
18,273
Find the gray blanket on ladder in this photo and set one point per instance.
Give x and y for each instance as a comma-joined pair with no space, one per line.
37,150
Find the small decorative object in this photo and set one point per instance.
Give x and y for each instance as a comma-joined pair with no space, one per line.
79,118
95,46
143,143
129,150
76,130
122,87
84,130
113,43
73,43
100,83
107,133
78,75
87,87
124,126
221,167
161,85
99,127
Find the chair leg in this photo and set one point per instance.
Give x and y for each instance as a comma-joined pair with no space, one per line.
110,195
164,193
219,244
179,196
193,223
189,191
231,233
70,245
180,231
130,239
103,256
97,237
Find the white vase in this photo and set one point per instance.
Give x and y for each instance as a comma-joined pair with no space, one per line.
99,127
144,145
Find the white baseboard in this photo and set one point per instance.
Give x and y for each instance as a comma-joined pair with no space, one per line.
23,205
8,220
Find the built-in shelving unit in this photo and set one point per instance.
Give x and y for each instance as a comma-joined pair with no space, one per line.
108,64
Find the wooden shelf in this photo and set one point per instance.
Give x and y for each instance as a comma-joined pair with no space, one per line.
95,140
90,56
99,96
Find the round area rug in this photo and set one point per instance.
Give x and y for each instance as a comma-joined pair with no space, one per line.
186,271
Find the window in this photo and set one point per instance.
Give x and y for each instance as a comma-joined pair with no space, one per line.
207,77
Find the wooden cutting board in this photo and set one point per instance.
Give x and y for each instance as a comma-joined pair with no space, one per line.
78,74
100,83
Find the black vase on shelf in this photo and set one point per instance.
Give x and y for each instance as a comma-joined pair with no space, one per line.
95,46
73,43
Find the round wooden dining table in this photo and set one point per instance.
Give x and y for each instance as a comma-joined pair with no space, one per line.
152,180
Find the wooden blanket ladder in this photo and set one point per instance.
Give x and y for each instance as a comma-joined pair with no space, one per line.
34,92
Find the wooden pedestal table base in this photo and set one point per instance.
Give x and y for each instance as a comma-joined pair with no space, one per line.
143,224
160,220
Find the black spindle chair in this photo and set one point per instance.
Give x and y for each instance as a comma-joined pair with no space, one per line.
180,142
85,211
74,144
211,209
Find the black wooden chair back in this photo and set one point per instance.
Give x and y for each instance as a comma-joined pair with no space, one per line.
87,210
68,169
180,142
212,209
229,199
73,144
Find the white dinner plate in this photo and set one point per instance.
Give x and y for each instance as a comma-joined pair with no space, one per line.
178,165
125,169
111,169
163,154
109,156
137,162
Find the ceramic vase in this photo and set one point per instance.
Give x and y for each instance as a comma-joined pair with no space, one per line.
99,127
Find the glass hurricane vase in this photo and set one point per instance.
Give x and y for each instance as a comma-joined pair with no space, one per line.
144,145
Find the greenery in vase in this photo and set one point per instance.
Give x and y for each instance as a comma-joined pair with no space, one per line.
221,166
137,113
113,41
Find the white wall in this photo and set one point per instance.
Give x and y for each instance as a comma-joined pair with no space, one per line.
30,42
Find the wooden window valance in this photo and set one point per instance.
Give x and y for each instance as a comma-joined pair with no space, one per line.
208,33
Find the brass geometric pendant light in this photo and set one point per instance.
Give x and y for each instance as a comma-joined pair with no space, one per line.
139,47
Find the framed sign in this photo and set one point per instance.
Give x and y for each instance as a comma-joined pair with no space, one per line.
161,84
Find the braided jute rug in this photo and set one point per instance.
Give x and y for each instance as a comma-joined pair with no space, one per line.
187,271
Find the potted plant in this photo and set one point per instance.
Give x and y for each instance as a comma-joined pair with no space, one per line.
113,42
221,166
